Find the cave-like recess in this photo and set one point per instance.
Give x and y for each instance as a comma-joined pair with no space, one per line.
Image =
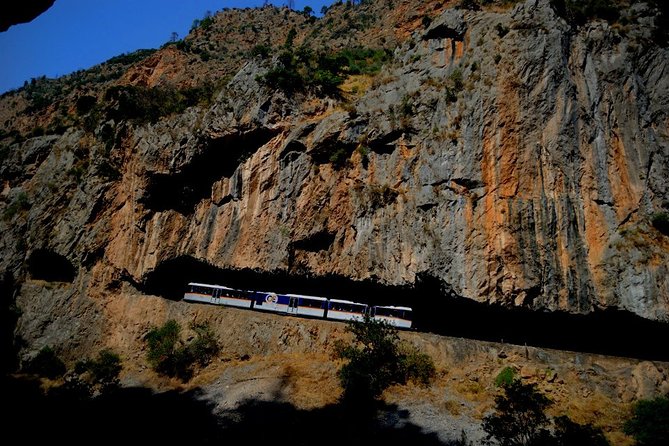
436,310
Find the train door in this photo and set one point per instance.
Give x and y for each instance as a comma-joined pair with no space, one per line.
292,304
216,296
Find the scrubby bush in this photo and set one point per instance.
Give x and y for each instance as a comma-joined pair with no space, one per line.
377,359
415,365
104,370
85,104
130,58
163,344
171,356
501,30
660,222
321,73
519,417
505,377
19,203
150,104
204,348
649,424
46,364
261,50
570,433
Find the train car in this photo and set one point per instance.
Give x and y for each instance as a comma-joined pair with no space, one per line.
218,295
297,304
396,316
312,306
270,301
345,310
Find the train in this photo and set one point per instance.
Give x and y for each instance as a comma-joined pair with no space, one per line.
297,304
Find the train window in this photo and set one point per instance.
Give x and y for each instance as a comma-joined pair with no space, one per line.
349,308
392,312
201,290
311,303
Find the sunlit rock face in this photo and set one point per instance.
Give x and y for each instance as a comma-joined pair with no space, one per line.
512,157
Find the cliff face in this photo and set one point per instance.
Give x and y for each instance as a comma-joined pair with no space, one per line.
514,158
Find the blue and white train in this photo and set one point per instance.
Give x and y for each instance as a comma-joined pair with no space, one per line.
297,304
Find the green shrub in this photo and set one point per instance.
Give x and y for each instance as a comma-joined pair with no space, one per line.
46,364
262,51
519,417
106,368
450,95
660,221
41,93
170,356
205,23
361,60
287,79
377,359
163,342
381,195
456,79
85,104
406,108
4,153
416,366
321,73
150,104
426,20
204,348
501,30
20,203
130,58
569,433
505,377
101,373
649,424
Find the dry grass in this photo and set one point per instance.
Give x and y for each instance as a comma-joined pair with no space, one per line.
453,407
313,381
356,85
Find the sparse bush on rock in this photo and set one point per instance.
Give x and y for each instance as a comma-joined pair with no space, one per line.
169,355
377,359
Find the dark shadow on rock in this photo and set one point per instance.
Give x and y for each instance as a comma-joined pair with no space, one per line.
436,309
260,422
126,416
140,416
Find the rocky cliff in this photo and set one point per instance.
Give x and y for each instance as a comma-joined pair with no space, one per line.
511,156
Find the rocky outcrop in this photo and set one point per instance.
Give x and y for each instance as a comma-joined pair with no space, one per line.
14,12
513,158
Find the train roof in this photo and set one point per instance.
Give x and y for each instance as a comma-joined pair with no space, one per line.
210,286
394,308
308,297
341,301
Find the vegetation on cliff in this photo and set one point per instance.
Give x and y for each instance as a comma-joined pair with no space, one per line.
377,359
520,420
170,355
506,154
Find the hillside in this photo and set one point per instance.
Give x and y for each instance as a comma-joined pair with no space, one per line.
277,371
499,166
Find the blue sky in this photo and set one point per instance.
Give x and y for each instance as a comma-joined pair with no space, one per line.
76,34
